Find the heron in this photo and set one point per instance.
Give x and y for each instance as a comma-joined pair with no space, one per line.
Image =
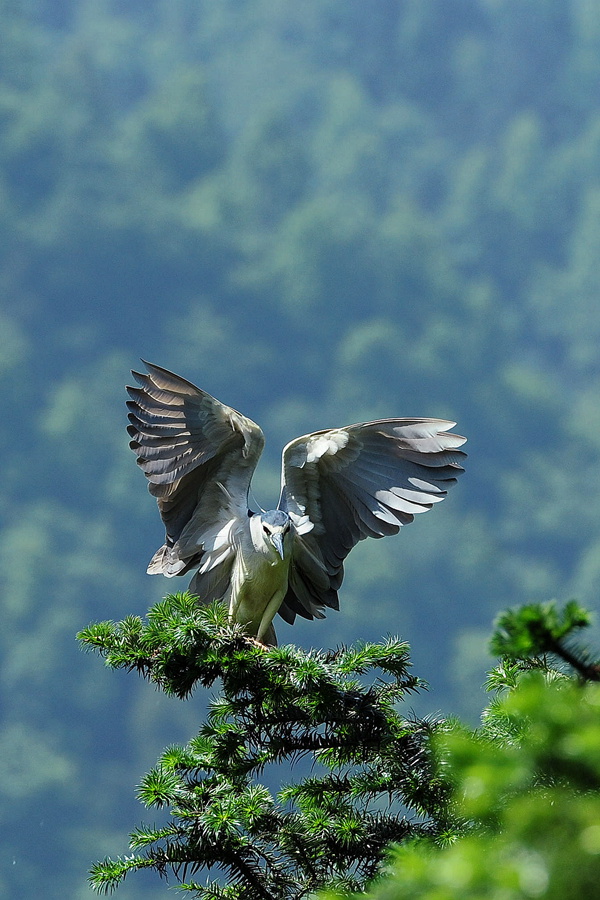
338,486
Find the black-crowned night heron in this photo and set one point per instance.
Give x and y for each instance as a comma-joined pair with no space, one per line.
337,487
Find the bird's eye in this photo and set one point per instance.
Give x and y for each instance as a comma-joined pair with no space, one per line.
266,529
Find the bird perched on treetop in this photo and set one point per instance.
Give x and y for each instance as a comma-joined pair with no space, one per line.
338,486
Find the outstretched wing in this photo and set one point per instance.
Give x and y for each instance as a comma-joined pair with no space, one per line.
365,480
198,456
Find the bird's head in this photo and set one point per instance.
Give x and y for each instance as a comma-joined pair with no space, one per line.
275,526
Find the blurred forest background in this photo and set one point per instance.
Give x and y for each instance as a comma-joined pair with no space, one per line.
320,212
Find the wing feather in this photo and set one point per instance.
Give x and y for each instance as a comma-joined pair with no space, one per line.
365,480
198,456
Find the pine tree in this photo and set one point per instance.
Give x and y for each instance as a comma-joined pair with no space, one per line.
372,780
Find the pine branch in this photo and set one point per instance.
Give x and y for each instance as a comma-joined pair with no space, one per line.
531,632
588,671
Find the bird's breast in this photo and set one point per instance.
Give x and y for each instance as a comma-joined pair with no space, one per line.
258,581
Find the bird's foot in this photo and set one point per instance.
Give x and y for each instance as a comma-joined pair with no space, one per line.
257,643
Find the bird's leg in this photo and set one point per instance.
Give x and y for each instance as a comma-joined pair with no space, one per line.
266,631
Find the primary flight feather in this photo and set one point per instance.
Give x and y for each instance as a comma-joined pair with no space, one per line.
338,486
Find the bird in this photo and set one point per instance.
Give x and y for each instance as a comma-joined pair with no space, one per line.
338,486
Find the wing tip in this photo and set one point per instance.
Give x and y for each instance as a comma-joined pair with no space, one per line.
164,379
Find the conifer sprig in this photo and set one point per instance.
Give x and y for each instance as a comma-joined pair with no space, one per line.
525,637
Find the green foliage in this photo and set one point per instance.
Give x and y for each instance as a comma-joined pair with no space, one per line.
373,781
535,805
536,629
527,783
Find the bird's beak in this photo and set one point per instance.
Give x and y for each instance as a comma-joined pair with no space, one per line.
277,540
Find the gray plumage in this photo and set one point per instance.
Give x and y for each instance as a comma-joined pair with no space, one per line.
338,486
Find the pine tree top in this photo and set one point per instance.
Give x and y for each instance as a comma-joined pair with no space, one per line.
373,779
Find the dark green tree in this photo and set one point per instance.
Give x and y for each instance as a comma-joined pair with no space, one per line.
371,780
